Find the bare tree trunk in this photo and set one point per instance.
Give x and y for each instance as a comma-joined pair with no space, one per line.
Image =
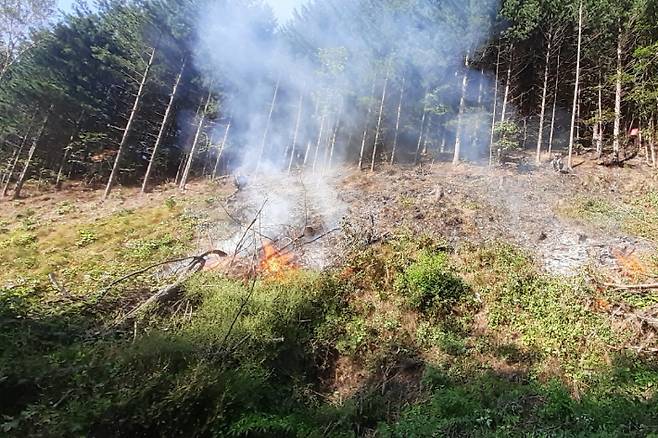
197,135
460,117
540,134
128,128
221,150
420,135
617,128
306,154
652,131
578,119
6,174
397,122
379,123
296,133
335,135
475,138
599,123
14,163
319,142
30,154
576,86
507,86
428,129
267,125
557,83
495,107
163,127
181,166
367,123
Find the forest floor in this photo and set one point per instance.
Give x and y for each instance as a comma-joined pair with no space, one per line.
462,300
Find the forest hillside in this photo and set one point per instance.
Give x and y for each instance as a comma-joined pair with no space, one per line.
390,218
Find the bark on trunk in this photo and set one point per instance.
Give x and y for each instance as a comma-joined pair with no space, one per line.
555,95
397,122
221,150
420,135
127,129
335,135
495,107
576,87
542,113
267,125
197,135
507,86
319,142
296,133
30,154
17,157
163,127
652,146
599,123
460,117
617,128
366,124
379,124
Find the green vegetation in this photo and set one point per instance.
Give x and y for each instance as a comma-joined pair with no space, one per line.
637,216
407,338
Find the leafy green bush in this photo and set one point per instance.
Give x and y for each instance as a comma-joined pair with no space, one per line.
429,286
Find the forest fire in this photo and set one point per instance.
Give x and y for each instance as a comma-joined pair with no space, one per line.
275,263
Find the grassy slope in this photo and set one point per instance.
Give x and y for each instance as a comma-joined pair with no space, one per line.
407,338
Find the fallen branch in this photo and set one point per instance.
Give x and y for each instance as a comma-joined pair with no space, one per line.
165,293
631,286
193,260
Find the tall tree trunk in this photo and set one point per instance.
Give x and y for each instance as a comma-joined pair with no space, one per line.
617,128
195,142
181,166
366,124
397,122
296,133
379,123
507,86
221,150
420,135
17,157
555,95
475,138
576,86
335,135
319,142
578,119
128,128
163,127
28,160
542,113
599,122
460,117
495,107
267,125
6,173
652,140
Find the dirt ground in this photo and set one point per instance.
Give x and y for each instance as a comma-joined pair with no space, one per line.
303,213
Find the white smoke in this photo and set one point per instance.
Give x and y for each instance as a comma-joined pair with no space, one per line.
335,62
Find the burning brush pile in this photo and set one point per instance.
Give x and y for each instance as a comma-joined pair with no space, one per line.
276,224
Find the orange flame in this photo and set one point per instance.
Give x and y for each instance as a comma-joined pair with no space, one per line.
275,263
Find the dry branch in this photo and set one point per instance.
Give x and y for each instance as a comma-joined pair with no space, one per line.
631,286
193,261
